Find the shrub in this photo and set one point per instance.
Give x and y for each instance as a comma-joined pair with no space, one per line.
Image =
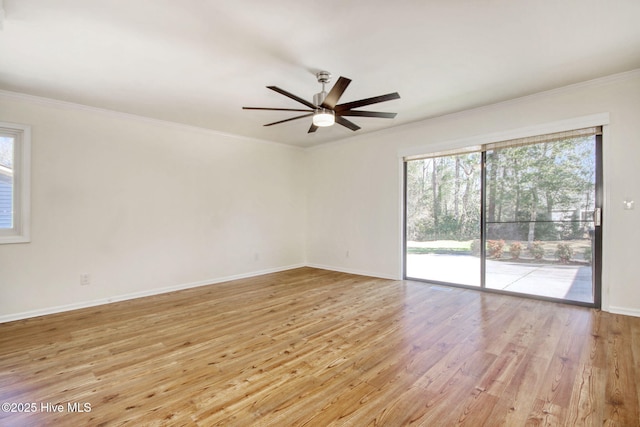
514,249
496,247
537,250
475,247
564,252
587,254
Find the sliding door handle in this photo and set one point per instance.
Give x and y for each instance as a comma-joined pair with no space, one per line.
597,217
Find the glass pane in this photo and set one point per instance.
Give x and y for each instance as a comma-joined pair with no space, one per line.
539,219
443,219
6,182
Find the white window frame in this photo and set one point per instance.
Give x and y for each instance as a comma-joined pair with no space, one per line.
21,232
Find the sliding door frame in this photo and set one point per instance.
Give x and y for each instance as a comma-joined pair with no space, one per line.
598,233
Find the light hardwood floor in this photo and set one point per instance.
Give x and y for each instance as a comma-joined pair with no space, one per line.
317,348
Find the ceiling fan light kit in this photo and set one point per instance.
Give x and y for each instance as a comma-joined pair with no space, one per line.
325,110
323,117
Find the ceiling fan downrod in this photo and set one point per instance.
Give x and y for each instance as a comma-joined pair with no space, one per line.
322,117
323,77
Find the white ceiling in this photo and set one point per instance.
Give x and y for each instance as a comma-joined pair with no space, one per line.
197,62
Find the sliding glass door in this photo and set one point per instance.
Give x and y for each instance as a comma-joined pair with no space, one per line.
519,217
443,219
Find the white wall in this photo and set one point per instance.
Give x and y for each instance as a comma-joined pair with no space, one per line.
355,185
143,207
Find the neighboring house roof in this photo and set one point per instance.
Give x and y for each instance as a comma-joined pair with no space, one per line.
6,197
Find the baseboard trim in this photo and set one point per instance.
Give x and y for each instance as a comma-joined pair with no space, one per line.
86,304
624,310
142,294
354,271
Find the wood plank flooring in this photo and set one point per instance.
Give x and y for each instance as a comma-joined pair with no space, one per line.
310,347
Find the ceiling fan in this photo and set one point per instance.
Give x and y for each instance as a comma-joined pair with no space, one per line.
325,108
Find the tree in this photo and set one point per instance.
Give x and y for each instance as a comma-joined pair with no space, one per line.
529,189
443,198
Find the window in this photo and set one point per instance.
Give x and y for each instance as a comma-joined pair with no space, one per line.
520,216
15,145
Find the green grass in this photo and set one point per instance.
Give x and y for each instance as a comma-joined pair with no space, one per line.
439,247
415,250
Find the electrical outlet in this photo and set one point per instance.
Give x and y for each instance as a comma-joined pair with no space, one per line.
85,279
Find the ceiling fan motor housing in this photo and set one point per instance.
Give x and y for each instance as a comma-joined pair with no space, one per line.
319,97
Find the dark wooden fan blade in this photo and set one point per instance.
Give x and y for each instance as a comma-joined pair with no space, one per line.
335,93
313,128
346,123
275,109
292,96
359,113
288,120
367,101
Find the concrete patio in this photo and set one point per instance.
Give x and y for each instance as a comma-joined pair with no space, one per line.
571,282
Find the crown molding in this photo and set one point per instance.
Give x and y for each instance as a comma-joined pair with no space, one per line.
66,105
600,81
